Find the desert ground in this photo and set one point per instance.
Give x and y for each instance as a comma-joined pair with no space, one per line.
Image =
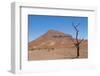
56,53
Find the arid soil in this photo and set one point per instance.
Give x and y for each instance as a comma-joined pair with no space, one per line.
58,53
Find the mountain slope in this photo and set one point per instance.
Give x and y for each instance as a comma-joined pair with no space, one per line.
54,39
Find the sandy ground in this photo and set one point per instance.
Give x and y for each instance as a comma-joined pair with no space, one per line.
57,53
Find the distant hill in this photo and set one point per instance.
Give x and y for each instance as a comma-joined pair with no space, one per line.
54,39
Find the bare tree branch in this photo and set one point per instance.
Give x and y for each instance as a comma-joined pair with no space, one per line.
81,40
73,41
77,24
77,31
74,27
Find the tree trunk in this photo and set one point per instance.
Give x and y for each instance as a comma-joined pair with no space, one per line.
78,48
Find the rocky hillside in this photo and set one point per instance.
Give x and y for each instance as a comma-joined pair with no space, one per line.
54,39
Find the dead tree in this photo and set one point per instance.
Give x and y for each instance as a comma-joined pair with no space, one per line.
77,41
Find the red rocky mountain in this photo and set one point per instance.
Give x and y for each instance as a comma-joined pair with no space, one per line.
54,39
